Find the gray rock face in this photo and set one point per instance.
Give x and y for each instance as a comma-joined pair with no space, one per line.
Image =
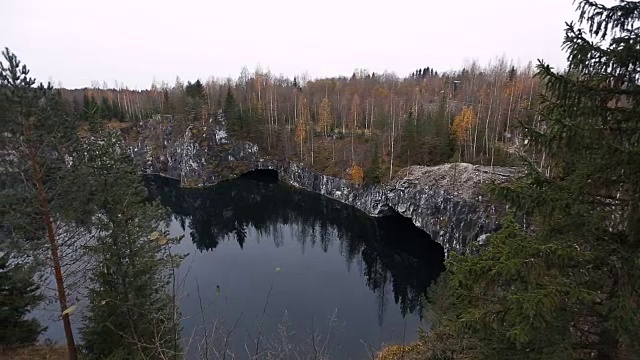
446,201
452,220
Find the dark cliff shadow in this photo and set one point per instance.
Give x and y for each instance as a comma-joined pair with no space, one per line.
392,249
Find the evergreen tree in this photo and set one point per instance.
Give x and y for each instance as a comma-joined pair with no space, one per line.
570,288
106,111
131,313
41,138
76,108
18,295
511,76
195,90
408,143
116,112
373,174
86,107
232,114
441,142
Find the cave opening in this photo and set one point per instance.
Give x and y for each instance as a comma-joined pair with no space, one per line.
269,176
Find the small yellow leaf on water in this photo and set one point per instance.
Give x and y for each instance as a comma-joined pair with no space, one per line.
154,235
162,240
278,269
69,310
217,289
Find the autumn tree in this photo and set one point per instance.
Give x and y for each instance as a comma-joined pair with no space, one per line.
356,173
325,115
461,128
301,134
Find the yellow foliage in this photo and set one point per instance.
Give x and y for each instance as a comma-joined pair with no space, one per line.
356,173
301,131
325,114
462,123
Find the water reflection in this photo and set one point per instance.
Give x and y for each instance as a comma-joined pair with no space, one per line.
393,250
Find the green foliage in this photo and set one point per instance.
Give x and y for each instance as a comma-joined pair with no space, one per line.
570,287
131,313
419,144
195,90
373,174
37,130
37,139
18,295
232,114
441,143
105,109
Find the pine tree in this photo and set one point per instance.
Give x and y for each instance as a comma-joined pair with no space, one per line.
570,287
41,138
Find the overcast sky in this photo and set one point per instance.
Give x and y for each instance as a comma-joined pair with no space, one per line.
135,41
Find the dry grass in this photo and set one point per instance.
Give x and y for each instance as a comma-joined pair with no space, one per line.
116,124
35,352
399,352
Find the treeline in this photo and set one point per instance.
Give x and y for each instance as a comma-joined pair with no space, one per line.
333,123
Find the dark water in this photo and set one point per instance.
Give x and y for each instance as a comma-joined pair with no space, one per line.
269,261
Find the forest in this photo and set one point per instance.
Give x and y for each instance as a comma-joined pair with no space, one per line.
372,121
563,284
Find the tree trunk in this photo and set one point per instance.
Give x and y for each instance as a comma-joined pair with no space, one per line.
393,135
51,235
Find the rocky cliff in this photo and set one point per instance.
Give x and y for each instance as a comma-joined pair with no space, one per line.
446,201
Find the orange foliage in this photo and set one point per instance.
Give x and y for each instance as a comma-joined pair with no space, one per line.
356,173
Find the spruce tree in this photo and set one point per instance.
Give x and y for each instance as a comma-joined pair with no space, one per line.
569,286
106,111
232,114
19,294
86,107
131,312
409,141
373,174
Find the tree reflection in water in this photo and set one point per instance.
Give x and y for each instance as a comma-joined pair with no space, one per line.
391,248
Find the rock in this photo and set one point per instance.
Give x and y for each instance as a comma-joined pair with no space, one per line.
453,219
446,201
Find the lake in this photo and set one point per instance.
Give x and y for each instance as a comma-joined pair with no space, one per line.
293,268
302,273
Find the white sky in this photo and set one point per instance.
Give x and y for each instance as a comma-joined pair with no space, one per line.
133,41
